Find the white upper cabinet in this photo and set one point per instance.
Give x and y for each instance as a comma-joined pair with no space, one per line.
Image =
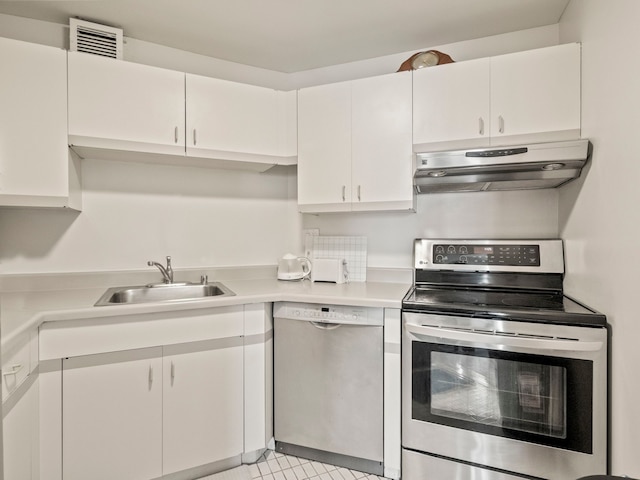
35,167
354,144
324,148
524,97
230,121
125,106
382,159
121,109
452,105
535,95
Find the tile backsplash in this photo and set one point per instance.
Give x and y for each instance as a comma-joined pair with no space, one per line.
351,249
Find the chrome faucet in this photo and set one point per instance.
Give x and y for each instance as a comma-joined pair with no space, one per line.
167,272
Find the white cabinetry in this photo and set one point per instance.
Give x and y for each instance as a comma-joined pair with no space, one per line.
451,105
157,410
202,405
354,144
35,167
20,434
117,105
112,415
523,97
231,121
125,110
324,148
535,95
163,393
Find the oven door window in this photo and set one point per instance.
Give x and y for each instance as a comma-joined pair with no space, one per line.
539,399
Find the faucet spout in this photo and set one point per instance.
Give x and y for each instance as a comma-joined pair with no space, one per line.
167,272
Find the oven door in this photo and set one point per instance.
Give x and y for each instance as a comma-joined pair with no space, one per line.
515,396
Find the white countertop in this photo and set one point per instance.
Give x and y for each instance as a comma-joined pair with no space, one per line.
23,310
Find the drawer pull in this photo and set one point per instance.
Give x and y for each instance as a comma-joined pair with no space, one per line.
15,369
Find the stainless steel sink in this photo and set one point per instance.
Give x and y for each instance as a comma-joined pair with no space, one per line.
162,293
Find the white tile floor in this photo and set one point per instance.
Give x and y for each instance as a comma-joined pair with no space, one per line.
276,466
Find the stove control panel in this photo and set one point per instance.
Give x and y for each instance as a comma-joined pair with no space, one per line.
483,255
507,255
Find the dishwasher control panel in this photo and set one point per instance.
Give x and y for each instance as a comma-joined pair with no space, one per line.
323,313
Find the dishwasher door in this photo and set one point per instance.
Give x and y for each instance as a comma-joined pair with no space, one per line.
328,385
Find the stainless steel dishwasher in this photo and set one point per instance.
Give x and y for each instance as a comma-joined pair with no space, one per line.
328,384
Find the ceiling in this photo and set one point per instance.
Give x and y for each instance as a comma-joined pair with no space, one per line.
296,35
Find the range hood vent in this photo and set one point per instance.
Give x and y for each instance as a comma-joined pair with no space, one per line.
96,39
522,167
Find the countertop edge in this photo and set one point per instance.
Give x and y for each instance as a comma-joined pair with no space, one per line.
367,294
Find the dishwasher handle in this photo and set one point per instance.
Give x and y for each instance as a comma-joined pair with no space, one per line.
326,326
496,340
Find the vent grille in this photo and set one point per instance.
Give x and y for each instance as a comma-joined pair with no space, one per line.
96,39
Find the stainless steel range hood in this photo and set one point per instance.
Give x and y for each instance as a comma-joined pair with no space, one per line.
521,167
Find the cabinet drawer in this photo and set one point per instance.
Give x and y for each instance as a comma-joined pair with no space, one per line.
110,334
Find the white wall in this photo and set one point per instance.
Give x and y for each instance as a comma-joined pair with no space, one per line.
598,216
161,56
525,214
137,212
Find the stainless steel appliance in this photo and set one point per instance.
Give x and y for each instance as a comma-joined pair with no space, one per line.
328,384
503,376
521,167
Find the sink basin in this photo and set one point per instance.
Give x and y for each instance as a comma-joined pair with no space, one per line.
162,293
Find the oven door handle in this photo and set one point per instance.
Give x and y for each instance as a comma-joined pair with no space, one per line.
442,333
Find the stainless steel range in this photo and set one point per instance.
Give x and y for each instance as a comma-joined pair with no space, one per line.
503,376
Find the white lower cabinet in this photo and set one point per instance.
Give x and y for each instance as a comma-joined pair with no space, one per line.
112,415
20,434
136,411
202,403
145,413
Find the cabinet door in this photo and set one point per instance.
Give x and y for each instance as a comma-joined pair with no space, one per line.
230,117
122,105
382,158
19,442
112,415
324,148
451,106
203,403
34,156
535,95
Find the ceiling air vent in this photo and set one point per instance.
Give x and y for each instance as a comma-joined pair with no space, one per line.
89,37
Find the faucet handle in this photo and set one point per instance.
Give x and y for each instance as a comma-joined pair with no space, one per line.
204,279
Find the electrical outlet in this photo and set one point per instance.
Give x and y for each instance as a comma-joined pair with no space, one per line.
307,239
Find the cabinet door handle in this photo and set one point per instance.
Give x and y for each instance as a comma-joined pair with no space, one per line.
358,192
344,193
500,124
175,134
194,137
481,126
15,369
173,372
150,376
